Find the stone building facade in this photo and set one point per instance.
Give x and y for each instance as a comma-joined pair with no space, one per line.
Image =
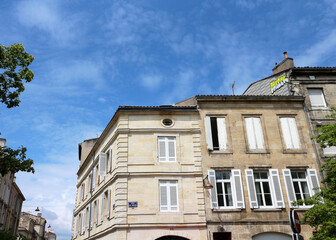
259,158
32,226
142,178
11,199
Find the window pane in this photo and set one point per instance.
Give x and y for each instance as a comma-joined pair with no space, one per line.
296,187
228,194
220,194
268,199
294,174
256,175
266,187
302,175
219,188
226,175
263,175
214,133
219,175
259,194
304,187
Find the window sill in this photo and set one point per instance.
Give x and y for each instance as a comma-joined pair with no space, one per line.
218,210
295,151
319,108
221,151
267,209
302,208
261,151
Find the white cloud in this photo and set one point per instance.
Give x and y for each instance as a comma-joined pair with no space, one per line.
151,82
321,50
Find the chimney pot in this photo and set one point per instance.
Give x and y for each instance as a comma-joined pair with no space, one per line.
285,55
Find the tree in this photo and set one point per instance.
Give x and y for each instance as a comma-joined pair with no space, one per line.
322,216
14,71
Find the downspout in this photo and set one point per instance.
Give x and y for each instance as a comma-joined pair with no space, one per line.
91,197
313,142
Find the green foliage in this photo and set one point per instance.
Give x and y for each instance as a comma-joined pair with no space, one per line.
14,161
322,216
14,62
7,235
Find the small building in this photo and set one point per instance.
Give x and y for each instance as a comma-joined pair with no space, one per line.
32,226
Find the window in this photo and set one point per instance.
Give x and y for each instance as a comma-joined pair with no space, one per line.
83,191
254,133
316,97
167,149
290,133
87,217
300,184
264,188
95,212
227,191
102,164
168,196
329,150
215,130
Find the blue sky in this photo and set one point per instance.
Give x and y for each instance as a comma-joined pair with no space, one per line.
92,56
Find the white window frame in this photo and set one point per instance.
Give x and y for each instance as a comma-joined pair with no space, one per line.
315,105
222,136
166,140
222,181
260,181
168,184
254,130
300,181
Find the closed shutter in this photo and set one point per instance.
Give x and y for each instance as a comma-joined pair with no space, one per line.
93,177
110,159
222,136
102,164
294,133
83,221
251,188
87,186
329,150
213,191
289,186
316,97
88,216
173,196
313,181
238,188
276,186
162,149
91,214
258,133
97,210
171,142
286,133
250,133
208,134
108,203
163,197
102,208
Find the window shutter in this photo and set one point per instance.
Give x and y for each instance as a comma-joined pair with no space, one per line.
313,181
173,197
161,149
294,133
238,188
108,203
289,186
87,186
102,207
276,185
171,141
250,133
329,150
222,136
286,133
91,214
258,133
251,188
213,191
163,197
93,177
88,216
83,221
316,97
102,164
110,159
97,210
208,134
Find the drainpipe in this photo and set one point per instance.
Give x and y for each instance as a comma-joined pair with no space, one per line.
94,154
313,142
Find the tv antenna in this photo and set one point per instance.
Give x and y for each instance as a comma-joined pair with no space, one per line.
233,86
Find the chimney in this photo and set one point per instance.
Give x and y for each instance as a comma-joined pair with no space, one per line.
286,64
2,142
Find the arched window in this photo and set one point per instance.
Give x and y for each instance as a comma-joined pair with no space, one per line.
272,236
171,238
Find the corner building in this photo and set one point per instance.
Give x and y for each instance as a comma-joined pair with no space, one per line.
142,178
258,156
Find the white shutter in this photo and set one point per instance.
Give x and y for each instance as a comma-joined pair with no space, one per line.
162,149
208,134
88,216
171,142
163,196
316,98
289,186
108,203
222,136
91,214
93,177
110,159
286,133
83,221
173,196
102,208
97,210
294,133
102,164
213,191
313,181
87,186
329,151
258,133
238,188
251,188
250,133
277,190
